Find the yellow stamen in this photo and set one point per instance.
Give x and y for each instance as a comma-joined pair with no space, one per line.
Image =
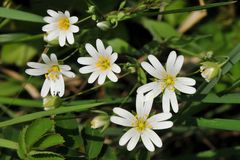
53,72
141,124
103,63
64,23
168,82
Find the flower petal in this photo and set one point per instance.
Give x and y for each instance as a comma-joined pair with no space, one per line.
147,87
52,35
147,107
87,69
171,61
36,72
153,93
178,64
86,60
73,19
46,59
37,65
121,121
70,38
114,57
147,142
61,86
166,102
68,74
54,58
161,125
152,71
186,81
173,101
159,117
52,13
102,78
124,113
45,88
62,39
156,64
109,50
65,67
74,28
116,68
184,88
49,27
140,105
154,137
100,47
67,13
48,19
112,76
93,76
91,50
127,136
133,141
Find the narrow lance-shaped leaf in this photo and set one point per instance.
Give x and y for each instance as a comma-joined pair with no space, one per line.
20,15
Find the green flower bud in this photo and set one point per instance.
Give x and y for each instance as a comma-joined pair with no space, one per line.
51,102
52,42
104,25
91,9
209,70
100,121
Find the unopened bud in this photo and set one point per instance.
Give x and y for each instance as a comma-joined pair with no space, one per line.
104,25
99,121
51,102
52,42
209,70
91,9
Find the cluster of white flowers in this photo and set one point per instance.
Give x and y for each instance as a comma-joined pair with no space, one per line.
102,64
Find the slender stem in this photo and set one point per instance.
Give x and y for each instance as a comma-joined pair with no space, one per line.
84,19
70,55
91,89
7,111
130,93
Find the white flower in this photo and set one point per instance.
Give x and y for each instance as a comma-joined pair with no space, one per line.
53,73
101,63
166,81
99,121
61,26
141,126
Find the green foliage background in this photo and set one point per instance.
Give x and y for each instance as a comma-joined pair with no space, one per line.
207,125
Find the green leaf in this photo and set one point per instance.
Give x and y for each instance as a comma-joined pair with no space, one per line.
59,110
159,30
45,155
225,124
142,78
68,127
20,15
232,98
10,88
37,129
109,154
194,8
18,37
49,141
8,144
121,46
94,139
22,149
210,155
17,53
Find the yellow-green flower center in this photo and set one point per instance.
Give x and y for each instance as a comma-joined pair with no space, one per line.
103,63
53,72
64,23
141,124
168,82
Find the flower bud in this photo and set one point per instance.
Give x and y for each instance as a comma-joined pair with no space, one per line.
51,102
104,25
91,9
52,42
99,121
209,70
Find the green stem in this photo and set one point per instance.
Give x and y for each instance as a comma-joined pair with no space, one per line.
70,55
130,93
84,19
